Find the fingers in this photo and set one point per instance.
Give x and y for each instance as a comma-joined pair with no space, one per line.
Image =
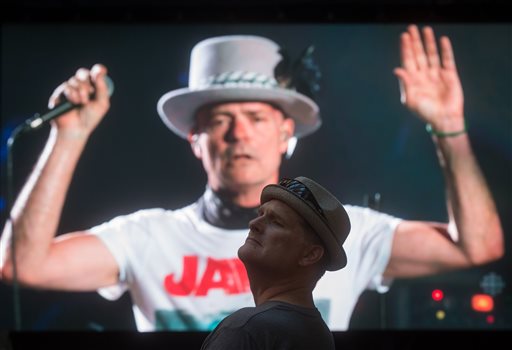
98,73
406,52
431,47
79,89
55,97
447,54
84,86
418,54
417,47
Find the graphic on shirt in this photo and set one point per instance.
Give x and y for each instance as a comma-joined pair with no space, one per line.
324,307
178,320
226,274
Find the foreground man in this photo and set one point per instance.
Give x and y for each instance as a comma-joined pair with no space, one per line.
297,236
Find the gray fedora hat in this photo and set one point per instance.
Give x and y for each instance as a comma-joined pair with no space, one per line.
320,209
235,68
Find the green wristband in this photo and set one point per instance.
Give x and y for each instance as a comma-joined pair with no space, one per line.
431,131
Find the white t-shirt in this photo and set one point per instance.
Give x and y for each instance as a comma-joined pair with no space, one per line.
184,274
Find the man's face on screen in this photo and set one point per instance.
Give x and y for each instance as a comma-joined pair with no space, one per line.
241,143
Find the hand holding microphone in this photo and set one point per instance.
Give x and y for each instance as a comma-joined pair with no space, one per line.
79,103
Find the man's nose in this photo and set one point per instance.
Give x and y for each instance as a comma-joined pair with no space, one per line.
255,225
240,129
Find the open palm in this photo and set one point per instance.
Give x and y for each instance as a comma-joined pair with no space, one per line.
430,85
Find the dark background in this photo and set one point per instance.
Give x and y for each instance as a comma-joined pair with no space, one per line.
368,143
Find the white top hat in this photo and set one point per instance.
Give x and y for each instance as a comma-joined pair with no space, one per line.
235,68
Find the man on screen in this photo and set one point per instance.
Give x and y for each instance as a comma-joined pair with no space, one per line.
239,114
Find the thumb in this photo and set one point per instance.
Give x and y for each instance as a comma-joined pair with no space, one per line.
402,76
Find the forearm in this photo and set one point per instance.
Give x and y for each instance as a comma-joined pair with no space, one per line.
36,212
473,218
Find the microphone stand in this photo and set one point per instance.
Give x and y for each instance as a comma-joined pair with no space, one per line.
15,286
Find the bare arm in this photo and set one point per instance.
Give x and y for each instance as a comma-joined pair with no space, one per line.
473,236
77,261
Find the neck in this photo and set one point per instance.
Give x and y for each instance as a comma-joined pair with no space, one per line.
291,290
243,195
220,211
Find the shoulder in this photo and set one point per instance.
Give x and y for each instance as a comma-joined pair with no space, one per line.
279,315
248,317
145,222
232,333
145,216
367,219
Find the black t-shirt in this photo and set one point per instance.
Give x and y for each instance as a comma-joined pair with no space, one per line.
272,325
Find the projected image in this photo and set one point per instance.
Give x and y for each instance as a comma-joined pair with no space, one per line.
139,153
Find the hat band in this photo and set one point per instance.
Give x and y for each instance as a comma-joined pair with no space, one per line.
238,79
302,191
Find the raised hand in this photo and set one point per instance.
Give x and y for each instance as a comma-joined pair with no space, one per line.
78,90
430,85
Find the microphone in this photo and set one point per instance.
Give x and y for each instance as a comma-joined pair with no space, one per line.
37,120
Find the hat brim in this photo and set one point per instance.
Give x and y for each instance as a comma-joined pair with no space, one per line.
335,251
177,108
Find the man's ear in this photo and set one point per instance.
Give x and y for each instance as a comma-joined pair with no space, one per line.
286,133
193,139
312,254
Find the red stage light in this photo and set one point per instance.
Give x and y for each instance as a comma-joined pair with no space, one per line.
490,319
482,303
437,294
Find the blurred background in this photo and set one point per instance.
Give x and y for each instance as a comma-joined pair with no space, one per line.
370,151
